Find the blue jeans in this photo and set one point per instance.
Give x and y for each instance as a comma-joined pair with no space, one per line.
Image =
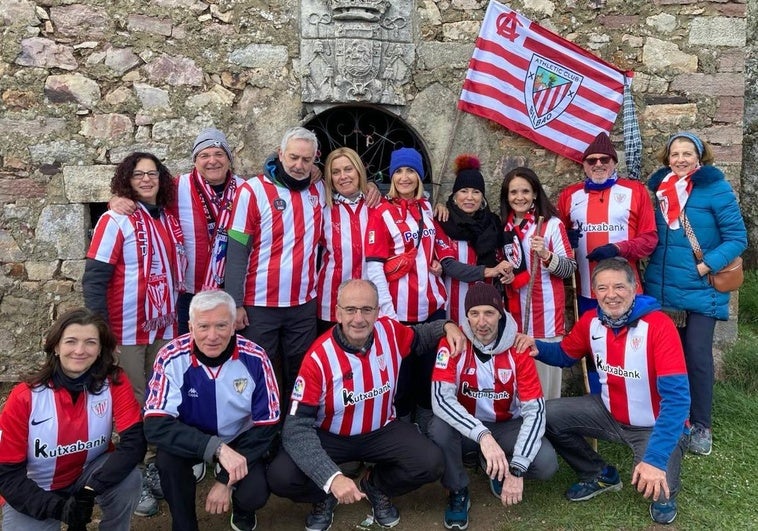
697,341
117,503
571,419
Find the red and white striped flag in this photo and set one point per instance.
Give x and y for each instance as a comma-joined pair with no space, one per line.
540,85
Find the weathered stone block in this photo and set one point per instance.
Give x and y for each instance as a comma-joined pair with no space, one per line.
40,270
731,109
78,19
73,269
174,71
110,127
88,184
13,189
260,56
718,31
448,55
121,60
464,31
663,22
152,25
9,250
72,88
670,113
732,61
41,126
664,56
65,228
151,97
709,84
18,13
44,53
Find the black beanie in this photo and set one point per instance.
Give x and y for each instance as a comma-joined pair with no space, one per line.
467,173
481,294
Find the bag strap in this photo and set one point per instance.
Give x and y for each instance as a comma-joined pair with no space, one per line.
684,220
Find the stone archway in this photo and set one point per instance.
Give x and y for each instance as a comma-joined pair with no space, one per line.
373,132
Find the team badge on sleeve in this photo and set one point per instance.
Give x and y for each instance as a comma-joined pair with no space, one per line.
504,375
443,355
299,389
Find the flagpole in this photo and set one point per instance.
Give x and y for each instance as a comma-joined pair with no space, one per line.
449,149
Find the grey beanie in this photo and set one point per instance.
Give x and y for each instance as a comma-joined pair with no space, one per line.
211,137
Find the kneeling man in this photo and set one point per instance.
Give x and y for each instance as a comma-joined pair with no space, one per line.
342,410
213,396
644,398
492,396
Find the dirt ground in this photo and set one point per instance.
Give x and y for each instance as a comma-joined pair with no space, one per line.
421,509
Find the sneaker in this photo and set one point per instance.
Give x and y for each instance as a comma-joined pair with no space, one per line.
153,480
663,513
147,505
385,514
496,487
198,471
456,512
321,516
607,481
242,521
701,440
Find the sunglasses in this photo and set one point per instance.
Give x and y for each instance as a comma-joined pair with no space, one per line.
605,159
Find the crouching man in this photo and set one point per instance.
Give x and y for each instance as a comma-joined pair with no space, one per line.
492,396
342,410
213,396
644,399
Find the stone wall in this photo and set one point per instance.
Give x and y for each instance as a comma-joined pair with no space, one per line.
84,84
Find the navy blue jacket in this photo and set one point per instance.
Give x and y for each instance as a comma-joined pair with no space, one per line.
671,276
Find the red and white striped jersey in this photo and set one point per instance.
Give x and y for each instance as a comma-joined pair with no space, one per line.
58,437
118,242
285,227
460,251
390,232
491,391
616,214
629,362
354,393
191,216
342,257
548,303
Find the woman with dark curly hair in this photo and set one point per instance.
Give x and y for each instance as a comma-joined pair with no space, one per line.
135,271
522,202
58,458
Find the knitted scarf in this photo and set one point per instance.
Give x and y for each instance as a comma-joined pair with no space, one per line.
161,245
217,209
480,229
515,250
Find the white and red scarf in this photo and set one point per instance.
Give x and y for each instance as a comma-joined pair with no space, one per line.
161,244
672,195
217,210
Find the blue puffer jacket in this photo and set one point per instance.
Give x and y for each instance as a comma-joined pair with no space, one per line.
671,276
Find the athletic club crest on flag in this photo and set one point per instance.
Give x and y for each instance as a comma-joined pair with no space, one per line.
549,88
542,86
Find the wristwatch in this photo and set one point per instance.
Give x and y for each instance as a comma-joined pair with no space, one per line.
516,472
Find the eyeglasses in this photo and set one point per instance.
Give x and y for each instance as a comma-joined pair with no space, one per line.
605,159
352,310
139,175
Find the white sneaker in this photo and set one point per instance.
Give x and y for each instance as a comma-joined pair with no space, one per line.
199,471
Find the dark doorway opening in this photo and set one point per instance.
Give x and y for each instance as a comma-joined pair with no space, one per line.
373,133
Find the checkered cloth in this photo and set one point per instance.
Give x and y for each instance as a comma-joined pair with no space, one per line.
632,136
